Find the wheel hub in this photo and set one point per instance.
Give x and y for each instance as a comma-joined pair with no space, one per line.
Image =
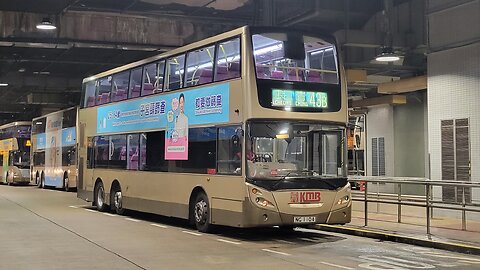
201,212
117,199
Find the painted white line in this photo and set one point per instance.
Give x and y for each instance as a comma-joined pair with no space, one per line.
309,240
73,206
132,219
192,233
90,210
110,215
285,241
276,252
338,266
158,225
229,242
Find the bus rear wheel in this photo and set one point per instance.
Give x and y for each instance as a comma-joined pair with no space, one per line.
65,183
116,201
99,197
42,181
201,213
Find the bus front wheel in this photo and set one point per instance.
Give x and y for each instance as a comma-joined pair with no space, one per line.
99,197
201,213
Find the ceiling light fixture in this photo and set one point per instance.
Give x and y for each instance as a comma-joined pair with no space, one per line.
3,84
46,24
387,55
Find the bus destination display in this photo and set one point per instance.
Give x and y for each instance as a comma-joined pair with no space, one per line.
299,98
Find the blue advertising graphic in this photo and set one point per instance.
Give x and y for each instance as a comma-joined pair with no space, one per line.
68,136
41,141
202,106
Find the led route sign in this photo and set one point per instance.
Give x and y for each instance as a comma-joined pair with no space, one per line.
298,98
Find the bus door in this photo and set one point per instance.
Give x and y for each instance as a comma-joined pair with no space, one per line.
4,166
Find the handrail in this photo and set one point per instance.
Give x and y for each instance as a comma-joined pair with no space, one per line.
426,201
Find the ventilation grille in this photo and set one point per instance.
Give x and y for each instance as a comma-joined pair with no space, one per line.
455,158
378,156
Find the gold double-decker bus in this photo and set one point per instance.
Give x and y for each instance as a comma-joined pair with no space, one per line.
243,129
15,153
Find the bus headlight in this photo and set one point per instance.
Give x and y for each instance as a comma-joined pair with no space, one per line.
263,202
343,200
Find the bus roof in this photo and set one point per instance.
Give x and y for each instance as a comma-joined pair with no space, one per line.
18,123
53,113
178,50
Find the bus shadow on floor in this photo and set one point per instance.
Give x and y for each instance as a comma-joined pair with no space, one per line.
263,234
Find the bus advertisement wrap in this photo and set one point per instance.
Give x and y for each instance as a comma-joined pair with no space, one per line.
53,157
202,106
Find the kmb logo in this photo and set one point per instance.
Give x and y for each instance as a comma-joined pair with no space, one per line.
305,197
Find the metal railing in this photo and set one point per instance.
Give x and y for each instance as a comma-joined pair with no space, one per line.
426,201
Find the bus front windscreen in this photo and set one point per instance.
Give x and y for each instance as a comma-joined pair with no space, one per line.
294,57
295,151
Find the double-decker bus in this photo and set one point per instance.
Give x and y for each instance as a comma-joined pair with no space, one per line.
15,153
54,150
243,129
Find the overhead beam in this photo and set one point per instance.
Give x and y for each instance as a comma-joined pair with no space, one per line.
367,39
385,100
98,27
403,85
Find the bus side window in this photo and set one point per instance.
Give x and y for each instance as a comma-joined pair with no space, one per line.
143,151
174,72
229,145
228,60
90,152
118,152
89,99
135,83
133,151
199,66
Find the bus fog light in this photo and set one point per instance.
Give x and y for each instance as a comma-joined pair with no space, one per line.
265,217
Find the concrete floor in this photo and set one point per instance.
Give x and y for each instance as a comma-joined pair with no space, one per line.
49,229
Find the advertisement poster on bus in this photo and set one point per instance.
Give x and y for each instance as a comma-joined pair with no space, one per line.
175,112
53,153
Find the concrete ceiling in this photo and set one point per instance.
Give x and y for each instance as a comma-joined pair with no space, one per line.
44,69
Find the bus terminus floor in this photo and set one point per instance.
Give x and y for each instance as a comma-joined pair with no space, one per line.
243,129
15,153
54,150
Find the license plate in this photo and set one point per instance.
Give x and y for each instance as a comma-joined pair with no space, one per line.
303,219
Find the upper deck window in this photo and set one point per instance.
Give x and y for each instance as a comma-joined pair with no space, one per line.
104,89
149,79
89,89
174,72
228,60
120,85
292,57
199,66
135,82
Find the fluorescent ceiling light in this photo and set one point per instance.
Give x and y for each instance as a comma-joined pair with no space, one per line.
3,84
46,24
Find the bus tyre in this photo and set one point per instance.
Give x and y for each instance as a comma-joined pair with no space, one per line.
99,199
201,213
116,201
42,181
65,183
